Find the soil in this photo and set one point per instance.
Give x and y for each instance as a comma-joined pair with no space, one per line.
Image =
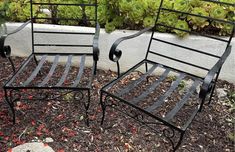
63,121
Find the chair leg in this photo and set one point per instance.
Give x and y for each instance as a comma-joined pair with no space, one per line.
95,69
87,107
12,64
146,67
35,59
212,94
11,105
201,105
103,107
179,142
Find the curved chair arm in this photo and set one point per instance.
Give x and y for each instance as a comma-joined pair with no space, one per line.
114,53
207,84
96,50
5,51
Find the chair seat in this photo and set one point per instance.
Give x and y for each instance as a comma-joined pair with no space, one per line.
50,73
170,99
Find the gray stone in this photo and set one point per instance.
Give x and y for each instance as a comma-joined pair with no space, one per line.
33,147
221,93
187,85
48,140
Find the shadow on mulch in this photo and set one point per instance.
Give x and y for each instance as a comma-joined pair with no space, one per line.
63,121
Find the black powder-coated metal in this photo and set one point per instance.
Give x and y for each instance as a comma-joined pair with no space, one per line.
11,87
116,94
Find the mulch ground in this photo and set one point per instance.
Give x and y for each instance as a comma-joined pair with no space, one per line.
63,121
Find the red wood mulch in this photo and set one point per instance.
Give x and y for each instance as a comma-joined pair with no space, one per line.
64,122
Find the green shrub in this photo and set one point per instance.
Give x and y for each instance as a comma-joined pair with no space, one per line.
135,14
3,8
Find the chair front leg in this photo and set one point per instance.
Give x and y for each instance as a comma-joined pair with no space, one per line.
10,103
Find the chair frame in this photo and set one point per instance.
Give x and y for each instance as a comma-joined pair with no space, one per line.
13,93
172,133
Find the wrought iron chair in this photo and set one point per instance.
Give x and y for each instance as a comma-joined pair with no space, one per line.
44,71
143,97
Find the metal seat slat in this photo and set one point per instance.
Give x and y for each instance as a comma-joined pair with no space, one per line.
134,83
80,72
20,70
194,113
53,67
35,72
151,88
66,71
180,104
111,84
162,98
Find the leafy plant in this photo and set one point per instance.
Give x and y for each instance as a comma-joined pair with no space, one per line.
181,24
133,14
149,21
198,22
182,5
3,8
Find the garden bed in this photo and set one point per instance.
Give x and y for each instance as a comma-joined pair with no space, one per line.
63,121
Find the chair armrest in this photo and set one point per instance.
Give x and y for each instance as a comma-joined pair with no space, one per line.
207,83
5,51
114,53
96,50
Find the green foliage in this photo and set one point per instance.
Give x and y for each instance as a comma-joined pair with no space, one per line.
3,8
133,14
181,24
198,22
149,21
182,5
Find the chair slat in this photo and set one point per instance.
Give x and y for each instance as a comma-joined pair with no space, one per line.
66,71
80,72
191,118
35,72
64,19
20,70
53,67
65,4
53,32
186,48
111,84
200,16
151,88
194,32
63,45
200,67
180,104
135,83
161,100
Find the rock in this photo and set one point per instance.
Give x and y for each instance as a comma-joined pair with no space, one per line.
33,147
48,140
187,84
221,93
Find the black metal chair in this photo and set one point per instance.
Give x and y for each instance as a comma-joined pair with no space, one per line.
154,100
44,71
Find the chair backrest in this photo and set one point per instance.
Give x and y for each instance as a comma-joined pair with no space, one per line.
55,39
194,58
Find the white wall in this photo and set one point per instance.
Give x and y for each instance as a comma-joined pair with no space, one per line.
133,50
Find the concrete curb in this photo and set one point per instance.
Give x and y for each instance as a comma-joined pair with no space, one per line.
21,46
